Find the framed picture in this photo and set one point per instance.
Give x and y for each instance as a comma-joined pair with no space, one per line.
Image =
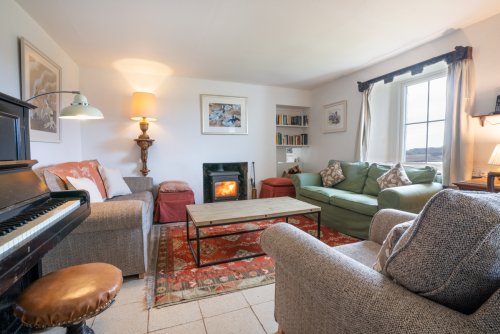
335,117
224,115
39,75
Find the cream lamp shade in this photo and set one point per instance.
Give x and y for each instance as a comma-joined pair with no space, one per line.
143,106
495,156
80,109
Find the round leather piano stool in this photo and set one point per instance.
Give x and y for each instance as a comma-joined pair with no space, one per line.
67,297
277,187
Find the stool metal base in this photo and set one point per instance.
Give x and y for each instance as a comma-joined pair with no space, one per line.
79,328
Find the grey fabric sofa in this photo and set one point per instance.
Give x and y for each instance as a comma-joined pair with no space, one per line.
116,232
322,289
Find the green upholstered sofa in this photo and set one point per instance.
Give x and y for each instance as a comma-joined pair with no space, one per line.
350,205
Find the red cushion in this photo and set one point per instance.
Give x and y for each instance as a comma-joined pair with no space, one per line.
278,181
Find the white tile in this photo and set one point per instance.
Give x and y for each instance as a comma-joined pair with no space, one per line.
170,316
260,294
237,322
129,318
195,327
222,304
265,314
132,291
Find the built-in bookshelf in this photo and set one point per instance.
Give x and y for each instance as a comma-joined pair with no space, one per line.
292,123
292,126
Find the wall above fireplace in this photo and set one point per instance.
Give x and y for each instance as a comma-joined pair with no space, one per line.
235,170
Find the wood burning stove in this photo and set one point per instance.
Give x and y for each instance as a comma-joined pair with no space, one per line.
224,185
224,181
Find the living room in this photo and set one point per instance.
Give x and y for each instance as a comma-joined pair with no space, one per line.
110,52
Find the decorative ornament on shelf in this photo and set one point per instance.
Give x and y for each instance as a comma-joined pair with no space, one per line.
143,110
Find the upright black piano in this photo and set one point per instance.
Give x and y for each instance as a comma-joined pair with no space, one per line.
32,219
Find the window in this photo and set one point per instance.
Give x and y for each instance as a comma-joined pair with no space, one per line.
424,114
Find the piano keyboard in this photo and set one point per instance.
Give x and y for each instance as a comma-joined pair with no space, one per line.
25,226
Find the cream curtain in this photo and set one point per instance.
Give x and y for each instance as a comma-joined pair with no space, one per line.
364,126
458,149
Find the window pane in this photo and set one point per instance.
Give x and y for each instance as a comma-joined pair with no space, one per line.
437,99
415,142
436,138
416,103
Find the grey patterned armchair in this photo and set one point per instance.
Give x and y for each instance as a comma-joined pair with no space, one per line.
322,289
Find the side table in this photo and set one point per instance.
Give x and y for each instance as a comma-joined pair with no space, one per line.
478,184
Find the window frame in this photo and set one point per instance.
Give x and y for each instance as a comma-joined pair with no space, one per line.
403,85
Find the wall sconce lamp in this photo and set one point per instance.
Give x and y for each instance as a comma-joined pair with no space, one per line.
143,110
78,109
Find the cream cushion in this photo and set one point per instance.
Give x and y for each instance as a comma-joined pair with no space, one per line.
88,185
113,182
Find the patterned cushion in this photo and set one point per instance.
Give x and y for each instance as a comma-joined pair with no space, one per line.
332,175
451,253
394,177
83,169
388,245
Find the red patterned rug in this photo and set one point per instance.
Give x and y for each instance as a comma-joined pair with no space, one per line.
176,278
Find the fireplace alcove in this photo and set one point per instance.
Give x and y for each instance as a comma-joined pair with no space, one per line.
224,181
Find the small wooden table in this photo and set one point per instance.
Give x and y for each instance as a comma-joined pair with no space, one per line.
478,184
235,212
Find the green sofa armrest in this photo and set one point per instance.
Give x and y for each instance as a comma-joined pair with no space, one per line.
306,179
410,198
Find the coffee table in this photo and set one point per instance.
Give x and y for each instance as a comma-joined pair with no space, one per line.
236,212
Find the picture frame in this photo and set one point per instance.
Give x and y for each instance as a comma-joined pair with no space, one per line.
39,74
335,117
223,115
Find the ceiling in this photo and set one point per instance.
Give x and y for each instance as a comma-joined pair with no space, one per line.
288,43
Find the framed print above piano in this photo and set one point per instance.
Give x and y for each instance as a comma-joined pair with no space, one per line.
39,74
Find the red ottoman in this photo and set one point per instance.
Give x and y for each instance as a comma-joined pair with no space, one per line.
277,187
170,206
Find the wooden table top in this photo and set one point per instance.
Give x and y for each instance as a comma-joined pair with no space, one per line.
478,184
247,210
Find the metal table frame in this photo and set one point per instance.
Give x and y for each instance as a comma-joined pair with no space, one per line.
197,254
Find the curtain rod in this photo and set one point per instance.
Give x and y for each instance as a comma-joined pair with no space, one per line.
460,53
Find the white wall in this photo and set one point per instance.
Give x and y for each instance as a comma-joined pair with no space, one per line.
486,54
15,23
180,149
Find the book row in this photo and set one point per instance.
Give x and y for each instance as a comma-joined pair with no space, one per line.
282,139
282,119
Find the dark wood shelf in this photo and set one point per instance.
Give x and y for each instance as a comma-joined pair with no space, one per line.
482,118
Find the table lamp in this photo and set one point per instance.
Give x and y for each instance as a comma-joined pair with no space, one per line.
495,156
143,110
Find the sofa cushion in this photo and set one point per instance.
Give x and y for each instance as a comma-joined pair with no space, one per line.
374,172
87,185
355,175
360,203
114,182
332,175
364,252
451,253
321,194
388,245
86,168
421,174
394,177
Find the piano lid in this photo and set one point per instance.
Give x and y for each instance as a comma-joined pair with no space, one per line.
19,184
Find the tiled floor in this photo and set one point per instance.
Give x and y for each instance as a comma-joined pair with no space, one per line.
248,311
